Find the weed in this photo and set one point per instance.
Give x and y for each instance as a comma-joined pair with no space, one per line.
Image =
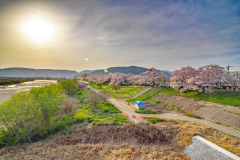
154,120
146,112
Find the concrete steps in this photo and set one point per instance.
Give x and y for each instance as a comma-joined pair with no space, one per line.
141,93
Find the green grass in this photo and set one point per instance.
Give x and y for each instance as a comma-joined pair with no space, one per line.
218,96
154,120
146,112
103,113
145,96
126,90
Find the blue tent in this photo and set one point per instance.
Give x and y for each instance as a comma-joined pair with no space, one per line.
139,105
139,102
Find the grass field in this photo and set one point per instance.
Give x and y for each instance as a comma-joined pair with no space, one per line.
103,113
218,96
145,96
125,91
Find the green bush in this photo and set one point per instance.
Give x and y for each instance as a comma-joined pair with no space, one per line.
69,86
146,112
26,116
155,120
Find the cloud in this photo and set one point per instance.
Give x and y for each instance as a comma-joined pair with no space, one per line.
163,34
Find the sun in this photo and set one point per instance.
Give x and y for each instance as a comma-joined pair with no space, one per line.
38,30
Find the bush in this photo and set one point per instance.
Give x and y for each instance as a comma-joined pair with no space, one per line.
28,115
146,112
155,120
69,86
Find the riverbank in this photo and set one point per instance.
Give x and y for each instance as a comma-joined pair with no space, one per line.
11,81
7,91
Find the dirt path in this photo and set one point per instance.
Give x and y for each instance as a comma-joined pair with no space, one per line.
129,111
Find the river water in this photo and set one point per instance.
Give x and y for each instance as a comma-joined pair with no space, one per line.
7,91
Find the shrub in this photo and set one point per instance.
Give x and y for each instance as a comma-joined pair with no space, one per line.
28,115
69,86
155,120
146,112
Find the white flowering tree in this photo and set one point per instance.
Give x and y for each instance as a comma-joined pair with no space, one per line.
204,79
150,77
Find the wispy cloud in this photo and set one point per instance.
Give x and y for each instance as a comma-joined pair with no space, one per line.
164,34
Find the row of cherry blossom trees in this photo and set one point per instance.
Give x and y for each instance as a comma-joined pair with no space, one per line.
151,77
203,79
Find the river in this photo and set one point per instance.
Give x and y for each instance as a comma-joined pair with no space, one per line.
7,91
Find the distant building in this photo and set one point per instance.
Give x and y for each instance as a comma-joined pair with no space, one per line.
139,105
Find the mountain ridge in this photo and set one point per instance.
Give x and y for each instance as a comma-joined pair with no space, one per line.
30,72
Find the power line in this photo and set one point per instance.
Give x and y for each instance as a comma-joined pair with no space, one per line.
229,67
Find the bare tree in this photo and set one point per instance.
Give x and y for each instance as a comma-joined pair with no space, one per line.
93,98
69,105
81,86
106,94
116,87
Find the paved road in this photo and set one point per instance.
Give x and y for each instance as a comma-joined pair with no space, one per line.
129,111
202,121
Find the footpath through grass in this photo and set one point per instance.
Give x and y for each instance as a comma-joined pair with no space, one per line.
231,98
145,96
125,91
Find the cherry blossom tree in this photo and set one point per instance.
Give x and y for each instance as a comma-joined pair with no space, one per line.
180,77
150,77
153,77
204,79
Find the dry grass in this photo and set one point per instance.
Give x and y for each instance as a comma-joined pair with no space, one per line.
129,141
226,142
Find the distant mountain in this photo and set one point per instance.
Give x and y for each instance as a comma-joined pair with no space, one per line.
28,72
169,72
125,70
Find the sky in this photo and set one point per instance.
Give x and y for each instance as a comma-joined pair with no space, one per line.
97,34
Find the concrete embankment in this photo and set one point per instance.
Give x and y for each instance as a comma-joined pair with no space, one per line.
224,114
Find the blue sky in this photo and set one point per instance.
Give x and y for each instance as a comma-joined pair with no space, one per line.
167,35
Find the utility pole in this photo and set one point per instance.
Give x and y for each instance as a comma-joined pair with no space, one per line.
228,67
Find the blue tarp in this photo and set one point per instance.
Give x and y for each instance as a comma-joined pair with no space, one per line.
139,102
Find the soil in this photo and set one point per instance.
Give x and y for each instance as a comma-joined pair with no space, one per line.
159,108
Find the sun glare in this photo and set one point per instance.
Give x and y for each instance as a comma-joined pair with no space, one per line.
38,30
